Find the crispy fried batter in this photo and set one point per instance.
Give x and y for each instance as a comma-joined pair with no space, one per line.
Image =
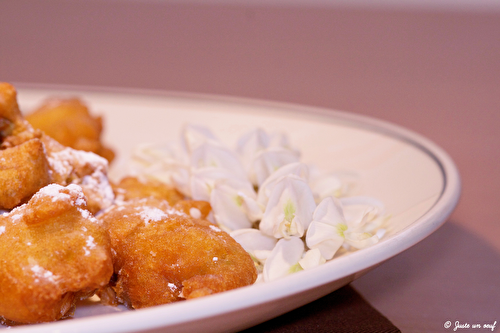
70,166
162,255
30,160
52,253
132,187
70,123
14,129
24,169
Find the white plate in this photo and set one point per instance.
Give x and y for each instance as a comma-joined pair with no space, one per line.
416,180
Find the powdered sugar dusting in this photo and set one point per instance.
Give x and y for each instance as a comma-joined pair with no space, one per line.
151,214
89,245
99,182
90,242
14,218
2,229
87,215
172,287
41,272
213,227
63,161
172,211
54,191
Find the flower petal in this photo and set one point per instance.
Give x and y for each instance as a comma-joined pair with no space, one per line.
326,238
213,156
254,240
251,143
233,203
360,240
283,259
359,210
311,259
329,211
203,180
193,136
289,209
269,160
298,169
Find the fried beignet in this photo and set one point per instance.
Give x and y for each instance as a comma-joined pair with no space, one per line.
132,187
70,123
24,169
162,255
86,169
30,160
53,252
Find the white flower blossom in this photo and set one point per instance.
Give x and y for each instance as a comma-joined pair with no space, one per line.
234,203
202,182
193,136
292,199
298,169
289,209
365,212
365,216
168,163
280,139
284,259
258,245
326,232
214,156
268,161
250,144
311,259
336,184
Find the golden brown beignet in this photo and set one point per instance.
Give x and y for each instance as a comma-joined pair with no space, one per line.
70,123
53,252
162,255
29,160
131,187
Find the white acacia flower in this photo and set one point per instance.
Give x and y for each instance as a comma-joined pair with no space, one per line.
147,154
326,232
365,216
311,259
336,184
360,240
258,245
364,212
280,139
193,136
234,203
215,156
250,144
268,161
289,209
284,259
298,169
327,185
202,182
168,163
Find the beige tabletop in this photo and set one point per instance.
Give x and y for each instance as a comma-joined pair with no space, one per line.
435,71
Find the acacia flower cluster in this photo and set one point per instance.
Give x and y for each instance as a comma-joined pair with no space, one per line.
286,214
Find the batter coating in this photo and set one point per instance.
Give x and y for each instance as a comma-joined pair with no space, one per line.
162,255
70,123
29,160
53,252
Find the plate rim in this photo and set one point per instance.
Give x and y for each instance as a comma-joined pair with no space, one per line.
357,261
